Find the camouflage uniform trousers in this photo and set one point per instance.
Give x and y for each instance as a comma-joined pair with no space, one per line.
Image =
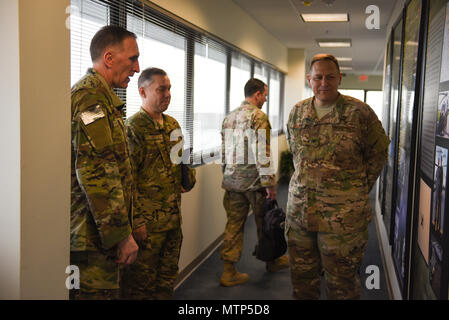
99,276
152,276
340,255
237,206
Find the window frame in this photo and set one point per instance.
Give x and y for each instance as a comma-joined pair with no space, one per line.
119,11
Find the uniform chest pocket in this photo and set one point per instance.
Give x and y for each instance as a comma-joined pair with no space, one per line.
153,145
306,142
308,136
345,140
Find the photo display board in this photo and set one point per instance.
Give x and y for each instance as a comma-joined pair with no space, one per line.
402,211
430,279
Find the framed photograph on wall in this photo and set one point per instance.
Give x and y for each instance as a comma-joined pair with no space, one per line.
442,124
437,245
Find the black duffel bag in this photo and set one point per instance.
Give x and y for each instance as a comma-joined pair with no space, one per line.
272,244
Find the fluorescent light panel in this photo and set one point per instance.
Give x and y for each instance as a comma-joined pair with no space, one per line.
334,43
325,17
345,68
343,59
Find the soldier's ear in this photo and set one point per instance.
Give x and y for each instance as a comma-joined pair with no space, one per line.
142,92
108,58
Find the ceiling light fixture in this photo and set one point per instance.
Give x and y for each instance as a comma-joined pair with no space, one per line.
334,43
343,59
345,68
325,17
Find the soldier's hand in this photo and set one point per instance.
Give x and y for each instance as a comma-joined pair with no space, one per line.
183,190
127,250
271,193
140,233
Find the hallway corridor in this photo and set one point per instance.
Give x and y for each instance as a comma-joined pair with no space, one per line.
203,283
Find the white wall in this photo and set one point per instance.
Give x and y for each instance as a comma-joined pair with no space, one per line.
10,146
203,215
228,21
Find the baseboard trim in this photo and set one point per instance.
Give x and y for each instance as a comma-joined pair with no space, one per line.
185,273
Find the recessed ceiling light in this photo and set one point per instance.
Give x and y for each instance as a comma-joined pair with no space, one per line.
334,43
341,59
325,17
345,68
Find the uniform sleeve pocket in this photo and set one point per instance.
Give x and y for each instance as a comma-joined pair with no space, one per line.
98,133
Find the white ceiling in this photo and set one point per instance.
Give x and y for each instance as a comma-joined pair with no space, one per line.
281,19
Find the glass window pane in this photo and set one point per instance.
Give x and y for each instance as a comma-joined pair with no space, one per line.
86,19
162,49
209,96
274,98
358,94
375,101
240,74
261,73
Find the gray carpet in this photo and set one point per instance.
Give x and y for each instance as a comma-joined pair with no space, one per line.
203,283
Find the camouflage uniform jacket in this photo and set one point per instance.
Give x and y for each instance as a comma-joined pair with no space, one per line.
101,178
337,160
158,178
242,170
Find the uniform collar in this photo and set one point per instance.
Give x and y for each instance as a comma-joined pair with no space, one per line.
246,103
115,100
334,116
155,124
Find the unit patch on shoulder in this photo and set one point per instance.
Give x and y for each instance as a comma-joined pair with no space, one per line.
92,114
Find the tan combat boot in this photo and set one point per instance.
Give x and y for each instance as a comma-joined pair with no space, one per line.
231,276
278,264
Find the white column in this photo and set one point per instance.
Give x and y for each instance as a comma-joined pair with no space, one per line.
295,80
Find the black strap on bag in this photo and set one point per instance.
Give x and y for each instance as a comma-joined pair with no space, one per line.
187,181
272,243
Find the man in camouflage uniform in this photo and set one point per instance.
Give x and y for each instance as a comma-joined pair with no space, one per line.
101,220
155,141
248,177
339,148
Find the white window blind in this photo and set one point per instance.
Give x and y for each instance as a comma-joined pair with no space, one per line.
86,18
162,49
209,96
240,74
261,73
274,98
